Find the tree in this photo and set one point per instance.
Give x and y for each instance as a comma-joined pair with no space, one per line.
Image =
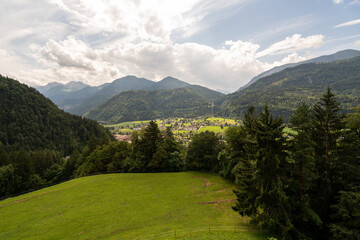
264,199
327,124
301,174
203,151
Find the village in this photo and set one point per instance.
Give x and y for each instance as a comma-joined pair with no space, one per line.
182,128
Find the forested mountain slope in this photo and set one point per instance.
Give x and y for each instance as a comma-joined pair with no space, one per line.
190,101
283,91
341,55
30,121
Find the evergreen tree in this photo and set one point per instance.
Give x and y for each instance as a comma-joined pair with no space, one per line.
301,174
326,123
265,198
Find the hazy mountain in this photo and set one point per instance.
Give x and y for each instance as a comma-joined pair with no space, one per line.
107,91
31,121
168,83
341,55
79,98
285,90
191,101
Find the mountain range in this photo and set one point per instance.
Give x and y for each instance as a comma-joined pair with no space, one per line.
341,55
281,88
78,98
284,91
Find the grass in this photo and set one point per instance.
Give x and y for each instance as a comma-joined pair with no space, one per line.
122,206
215,129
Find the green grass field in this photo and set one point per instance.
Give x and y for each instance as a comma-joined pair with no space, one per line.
215,129
126,206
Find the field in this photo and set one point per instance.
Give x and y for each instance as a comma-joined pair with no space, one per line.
215,129
127,206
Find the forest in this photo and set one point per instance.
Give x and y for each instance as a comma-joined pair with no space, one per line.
300,185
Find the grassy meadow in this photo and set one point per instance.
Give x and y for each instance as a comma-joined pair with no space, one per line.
126,206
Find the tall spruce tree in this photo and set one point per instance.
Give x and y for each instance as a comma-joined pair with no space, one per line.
265,198
301,174
327,124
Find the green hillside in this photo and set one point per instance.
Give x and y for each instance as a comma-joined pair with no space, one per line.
124,206
30,121
191,101
285,90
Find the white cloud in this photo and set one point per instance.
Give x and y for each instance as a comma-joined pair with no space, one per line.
292,44
349,23
355,2
228,67
338,1
357,43
99,40
152,20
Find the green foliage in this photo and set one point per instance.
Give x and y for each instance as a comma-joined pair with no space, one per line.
327,123
30,121
346,216
203,151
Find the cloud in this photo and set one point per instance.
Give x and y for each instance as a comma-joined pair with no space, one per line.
357,43
338,1
228,67
355,2
292,44
349,23
152,20
100,40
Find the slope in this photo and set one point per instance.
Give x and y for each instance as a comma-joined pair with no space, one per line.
30,121
122,206
106,91
341,55
285,90
191,101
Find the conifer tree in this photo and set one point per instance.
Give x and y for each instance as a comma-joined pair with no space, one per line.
326,123
265,198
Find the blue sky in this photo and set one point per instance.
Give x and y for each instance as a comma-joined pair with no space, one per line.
217,44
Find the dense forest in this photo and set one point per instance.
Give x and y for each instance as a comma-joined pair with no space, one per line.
35,136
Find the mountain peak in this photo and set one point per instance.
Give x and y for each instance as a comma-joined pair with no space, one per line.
169,83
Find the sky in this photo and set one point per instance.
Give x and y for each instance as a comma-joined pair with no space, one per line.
217,44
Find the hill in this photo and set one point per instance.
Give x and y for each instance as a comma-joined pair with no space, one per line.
341,55
30,121
124,206
106,91
79,98
190,101
285,90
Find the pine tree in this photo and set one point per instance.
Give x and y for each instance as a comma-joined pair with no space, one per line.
264,195
327,123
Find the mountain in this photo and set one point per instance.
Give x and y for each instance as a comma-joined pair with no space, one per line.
191,101
341,55
108,90
30,121
168,83
285,90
